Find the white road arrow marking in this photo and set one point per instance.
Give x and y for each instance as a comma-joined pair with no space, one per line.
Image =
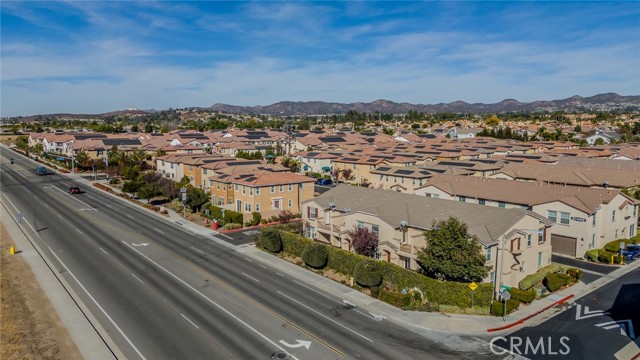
587,314
141,244
300,343
377,317
619,324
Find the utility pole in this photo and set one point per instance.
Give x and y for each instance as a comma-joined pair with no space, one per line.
73,163
106,159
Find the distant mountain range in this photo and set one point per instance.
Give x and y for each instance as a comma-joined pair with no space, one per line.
601,102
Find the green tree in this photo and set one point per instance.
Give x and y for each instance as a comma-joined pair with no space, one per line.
452,253
22,142
81,158
196,197
599,141
147,191
577,129
492,121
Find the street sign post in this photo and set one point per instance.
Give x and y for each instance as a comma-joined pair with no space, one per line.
473,286
505,295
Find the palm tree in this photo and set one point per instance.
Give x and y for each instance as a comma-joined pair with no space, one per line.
138,156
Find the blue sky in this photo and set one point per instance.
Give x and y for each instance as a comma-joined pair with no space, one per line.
94,57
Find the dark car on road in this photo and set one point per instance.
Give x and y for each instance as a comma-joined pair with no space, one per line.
324,182
41,170
631,252
74,190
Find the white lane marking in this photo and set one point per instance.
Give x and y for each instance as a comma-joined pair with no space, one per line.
160,231
262,266
334,300
212,302
251,277
190,322
27,190
279,274
47,206
101,249
75,198
19,172
109,206
328,318
249,260
137,278
200,251
98,305
90,196
129,216
80,232
58,215
227,236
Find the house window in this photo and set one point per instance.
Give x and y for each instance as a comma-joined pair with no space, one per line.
273,188
100,153
281,188
539,258
489,253
312,212
462,199
172,165
217,185
258,207
481,201
360,225
529,240
376,230
224,186
311,232
244,189
326,217
257,191
247,207
406,262
395,179
552,215
230,202
564,218
221,200
492,277
515,245
616,236
632,230
276,204
250,191
593,221
501,204
190,167
204,171
291,203
290,187
214,199
613,216
237,187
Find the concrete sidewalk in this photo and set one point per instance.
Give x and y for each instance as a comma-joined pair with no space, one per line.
531,314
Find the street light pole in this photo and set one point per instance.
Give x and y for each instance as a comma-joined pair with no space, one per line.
73,163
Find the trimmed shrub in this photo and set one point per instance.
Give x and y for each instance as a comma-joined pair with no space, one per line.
293,244
523,296
270,239
614,246
256,218
635,239
315,256
398,300
555,281
532,280
497,307
368,274
606,256
231,226
576,274
592,255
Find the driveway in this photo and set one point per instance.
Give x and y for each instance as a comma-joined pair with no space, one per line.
590,271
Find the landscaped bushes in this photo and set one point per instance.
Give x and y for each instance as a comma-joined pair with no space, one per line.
609,257
315,256
614,246
368,274
271,240
521,295
229,215
592,255
497,307
576,274
555,281
395,278
532,280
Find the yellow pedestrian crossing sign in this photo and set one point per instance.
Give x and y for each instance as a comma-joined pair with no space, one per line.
473,286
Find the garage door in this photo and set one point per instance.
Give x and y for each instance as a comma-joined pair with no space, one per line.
563,244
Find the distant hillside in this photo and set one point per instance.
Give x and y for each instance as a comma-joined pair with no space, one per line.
601,102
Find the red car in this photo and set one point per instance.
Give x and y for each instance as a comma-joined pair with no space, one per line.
74,190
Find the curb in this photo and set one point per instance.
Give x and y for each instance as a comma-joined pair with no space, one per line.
521,321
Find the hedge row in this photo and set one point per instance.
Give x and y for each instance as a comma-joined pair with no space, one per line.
592,255
497,308
229,215
532,280
395,278
609,257
555,281
614,246
522,295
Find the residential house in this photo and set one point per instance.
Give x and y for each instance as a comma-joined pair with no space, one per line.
585,218
400,220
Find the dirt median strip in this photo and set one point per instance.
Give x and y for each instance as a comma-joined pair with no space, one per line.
30,328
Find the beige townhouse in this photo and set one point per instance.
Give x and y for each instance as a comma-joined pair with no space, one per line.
585,218
515,242
247,190
316,162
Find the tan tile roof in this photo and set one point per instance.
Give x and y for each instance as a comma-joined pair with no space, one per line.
262,178
573,175
487,222
523,193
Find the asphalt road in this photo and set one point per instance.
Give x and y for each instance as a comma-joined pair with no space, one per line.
591,271
163,293
597,326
